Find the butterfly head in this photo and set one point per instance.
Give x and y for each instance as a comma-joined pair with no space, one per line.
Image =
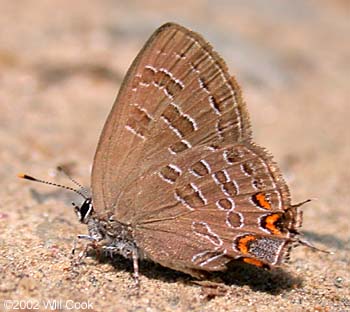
84,211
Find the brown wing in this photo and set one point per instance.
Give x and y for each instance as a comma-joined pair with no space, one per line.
200,213
176,162
175,75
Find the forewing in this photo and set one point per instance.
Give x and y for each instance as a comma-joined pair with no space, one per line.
177,94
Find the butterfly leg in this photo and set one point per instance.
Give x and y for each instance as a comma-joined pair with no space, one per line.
92,243
135,261
129,251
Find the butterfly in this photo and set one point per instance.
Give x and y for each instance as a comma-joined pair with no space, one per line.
177,178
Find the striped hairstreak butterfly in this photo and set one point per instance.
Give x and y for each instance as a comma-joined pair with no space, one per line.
176,177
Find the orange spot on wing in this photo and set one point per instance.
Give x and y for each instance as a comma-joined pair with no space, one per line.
255,262
261,198
243,243
270,223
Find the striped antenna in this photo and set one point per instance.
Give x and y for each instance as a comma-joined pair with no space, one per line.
30,178
84,189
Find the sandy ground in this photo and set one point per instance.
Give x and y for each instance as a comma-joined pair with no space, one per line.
61,64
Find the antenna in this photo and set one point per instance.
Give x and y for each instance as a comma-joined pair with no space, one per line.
302,203
30,178
84,189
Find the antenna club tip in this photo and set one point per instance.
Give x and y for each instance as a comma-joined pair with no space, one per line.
24,176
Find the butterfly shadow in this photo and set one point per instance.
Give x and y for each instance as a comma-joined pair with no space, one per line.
273,281
147,268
